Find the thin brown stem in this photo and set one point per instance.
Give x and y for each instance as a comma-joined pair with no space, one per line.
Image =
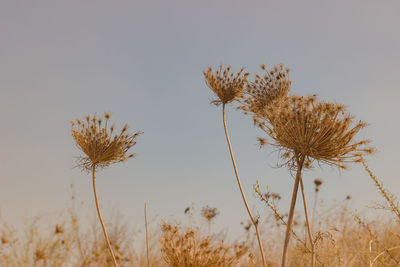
241,189
308,223
100,218
291,212
147,236
314,209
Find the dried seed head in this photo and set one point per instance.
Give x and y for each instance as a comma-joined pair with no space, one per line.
187,247
317,183
101,147
40,254
312,130
209,213
227,86
262,141
274,85
3,240
187,210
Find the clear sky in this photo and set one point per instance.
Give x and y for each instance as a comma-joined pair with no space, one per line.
143,62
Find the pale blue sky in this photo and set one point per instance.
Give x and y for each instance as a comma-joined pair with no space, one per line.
143,62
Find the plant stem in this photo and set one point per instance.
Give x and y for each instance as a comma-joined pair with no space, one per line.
241,189
291,212
100,218
314,209
308,224
394,205
147,237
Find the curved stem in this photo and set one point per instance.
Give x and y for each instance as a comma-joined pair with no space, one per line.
291,212
241,189
100,218
308,223
383,252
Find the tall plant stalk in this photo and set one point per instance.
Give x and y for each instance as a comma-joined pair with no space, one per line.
102,147
304,128
255,223
300,163
100,217
309,229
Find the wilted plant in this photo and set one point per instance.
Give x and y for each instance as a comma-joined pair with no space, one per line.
102,147
304,130
187,247
309,130
229,87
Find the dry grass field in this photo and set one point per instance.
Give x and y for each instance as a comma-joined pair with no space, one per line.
343,238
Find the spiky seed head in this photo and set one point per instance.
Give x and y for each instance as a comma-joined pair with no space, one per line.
209,213
101,146
274,85
227,86
262,142
313,130
107,115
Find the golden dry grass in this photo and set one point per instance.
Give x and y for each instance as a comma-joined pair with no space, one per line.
344,239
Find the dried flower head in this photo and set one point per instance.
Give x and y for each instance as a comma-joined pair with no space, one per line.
182,247
101,144
40,254
227,86
313,130
4,240
59,229
275,84
209,213
317,183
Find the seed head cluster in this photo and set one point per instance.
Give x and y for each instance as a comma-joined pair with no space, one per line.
275,84
209,213
305,127
101,143
227,86
187,247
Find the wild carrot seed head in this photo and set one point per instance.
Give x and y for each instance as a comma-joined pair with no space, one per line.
101,146
227,86
275,84
209,213
313,130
